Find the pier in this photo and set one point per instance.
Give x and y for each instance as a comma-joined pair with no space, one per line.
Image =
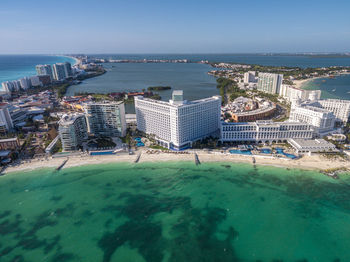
196,159
62,165
138,158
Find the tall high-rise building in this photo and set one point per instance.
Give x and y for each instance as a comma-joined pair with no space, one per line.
7,86
5,117
68,69
44,70
106,118
59,71
249,77
25,83
178,123
72,131
270,83
35,81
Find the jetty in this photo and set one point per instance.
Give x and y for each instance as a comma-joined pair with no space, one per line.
138,158
196,159
62,165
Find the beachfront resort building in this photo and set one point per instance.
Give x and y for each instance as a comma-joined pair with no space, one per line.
5,118
178,123
312,146
322,119
72,131
106,118
340,108
59,71
291,93
264,131
269,83
44,70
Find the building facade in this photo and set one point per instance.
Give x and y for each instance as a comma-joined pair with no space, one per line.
269,83
249,77
59,71
44,70
264,131
5,117
106,118
178,123
322,119
9,144
68,69
72,131
340,108
291,93
25,83
312,146
258,114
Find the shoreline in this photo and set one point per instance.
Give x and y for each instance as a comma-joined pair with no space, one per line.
316,163
301,84
77,61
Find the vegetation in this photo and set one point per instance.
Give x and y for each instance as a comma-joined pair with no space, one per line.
61,90
158,88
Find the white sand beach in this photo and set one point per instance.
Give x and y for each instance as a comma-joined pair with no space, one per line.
314,162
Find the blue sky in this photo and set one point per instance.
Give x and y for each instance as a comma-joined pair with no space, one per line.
173,26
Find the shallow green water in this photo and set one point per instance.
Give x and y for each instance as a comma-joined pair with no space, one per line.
174,211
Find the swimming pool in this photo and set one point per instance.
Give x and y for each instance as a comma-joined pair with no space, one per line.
265,151
102,153
240,152
280,151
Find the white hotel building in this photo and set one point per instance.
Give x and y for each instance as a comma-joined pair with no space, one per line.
178,123
322,119
340,108
264,131
72,131
291,93
269,83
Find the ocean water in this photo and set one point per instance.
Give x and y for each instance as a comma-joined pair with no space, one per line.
174,212
13,67
338,87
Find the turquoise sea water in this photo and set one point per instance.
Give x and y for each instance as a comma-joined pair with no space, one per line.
338,87
13,67
174,212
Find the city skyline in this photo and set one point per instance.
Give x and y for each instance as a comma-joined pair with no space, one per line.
173,27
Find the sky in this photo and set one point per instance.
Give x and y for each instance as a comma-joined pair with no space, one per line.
173,26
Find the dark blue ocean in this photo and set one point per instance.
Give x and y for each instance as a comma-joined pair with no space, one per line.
13,67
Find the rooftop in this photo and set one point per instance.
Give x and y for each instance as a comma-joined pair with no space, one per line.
69,119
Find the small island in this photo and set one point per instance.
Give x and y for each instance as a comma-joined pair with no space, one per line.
158,88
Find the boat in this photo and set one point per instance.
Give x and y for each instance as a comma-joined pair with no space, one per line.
333,90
